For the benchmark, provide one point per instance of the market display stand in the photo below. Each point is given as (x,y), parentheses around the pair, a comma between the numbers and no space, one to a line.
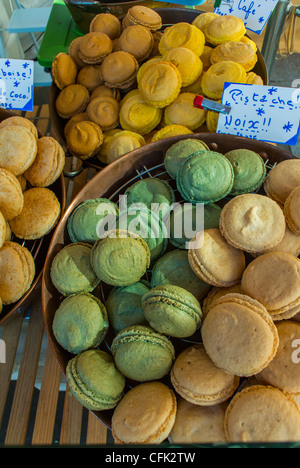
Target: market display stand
(35,405)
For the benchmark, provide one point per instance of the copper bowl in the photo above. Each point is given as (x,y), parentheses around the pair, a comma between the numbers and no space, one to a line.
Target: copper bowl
(38,249)
(169,16)
(112,182)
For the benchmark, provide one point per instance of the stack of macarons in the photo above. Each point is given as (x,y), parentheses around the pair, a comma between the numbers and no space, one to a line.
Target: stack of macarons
(29,208)
(135,75)
(201,328)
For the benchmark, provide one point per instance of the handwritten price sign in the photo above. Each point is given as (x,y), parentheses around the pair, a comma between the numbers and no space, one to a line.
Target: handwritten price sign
(255,14)
(16,84)
(265,113)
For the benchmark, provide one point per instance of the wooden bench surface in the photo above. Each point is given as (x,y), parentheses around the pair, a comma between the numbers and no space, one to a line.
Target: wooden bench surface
(35,405)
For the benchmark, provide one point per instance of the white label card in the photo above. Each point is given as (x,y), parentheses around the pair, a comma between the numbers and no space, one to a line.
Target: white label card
(265,113)
(16,84)
(255,14)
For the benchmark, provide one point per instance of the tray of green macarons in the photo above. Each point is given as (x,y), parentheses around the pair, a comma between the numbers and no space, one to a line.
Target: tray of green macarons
(164,288)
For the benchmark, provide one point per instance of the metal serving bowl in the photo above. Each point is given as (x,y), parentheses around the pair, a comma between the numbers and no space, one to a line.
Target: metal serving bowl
(111,182)
(38,249)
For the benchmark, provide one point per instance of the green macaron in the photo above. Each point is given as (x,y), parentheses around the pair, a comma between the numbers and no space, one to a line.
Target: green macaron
(80,322)
(94,380)
(156,194)
(174,268)
(142,354)
(172,310)
(148,225)
(120,258)
(205,177)
(179,152)
(186,219)
(124,305)
(88,220)
(71,271)
(249,170)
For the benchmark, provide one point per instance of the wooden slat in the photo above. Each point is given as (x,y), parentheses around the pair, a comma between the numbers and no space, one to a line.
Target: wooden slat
(42,123)
(71,421)
(96,431)
(47,403)
(18,421)
(10,336)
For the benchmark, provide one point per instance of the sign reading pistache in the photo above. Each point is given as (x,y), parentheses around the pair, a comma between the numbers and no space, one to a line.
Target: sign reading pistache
(265,113)
(255,14)
(16,84)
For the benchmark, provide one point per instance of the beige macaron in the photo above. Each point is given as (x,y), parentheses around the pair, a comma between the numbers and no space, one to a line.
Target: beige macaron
(239,335)
(273,279)
(23,121)
(283,370)
(215,293)
(4,230)
(262,414)
(196,424)
(106,23)
(196,378)
(252,222)
(94,47)
(48,164)
(17,271)
(18,148)
(145,415)
(282,179)
(291,210)
(214,260)
(39,215)
(119,70)
(137,40)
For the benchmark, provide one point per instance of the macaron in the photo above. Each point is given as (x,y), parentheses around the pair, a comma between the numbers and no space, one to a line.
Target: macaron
(40,214)
(188,63)
(217,292)
(196,424)
(203,19)
(178,152)
(205,177)
(119,143)
(239,335)
(80,323)
(11,195)
(120,258)
(170,131)
(106,23)
(196,378)
(262,414)
(214,78)
(282,372)
(249,170)
(119,70)
(88,220)
(214,260)
(145,415)
(84,139)
(273,279)
(104,111)
(224,28)
(182,34)
(236,51)
(148,225)
(282,179)
(172,310)
(94,47)
(141,14)
(71,271)
(90,77)
(64,70)
(23,121)
(72,100)
(124,305)
(291,210)
(137,115)
(137,40)
(94,380)
(251,213)
(142,354)
(157,194)
(18,148)
(183,112)
(174,268)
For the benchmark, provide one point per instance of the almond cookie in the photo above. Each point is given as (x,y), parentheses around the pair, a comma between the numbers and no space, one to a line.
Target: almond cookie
(282,179)
(17,270)
(196,378)
(39,215)
(11,195)
(273,279)
(72,100)
(214,260)
(18,148)
(48,164)
(262,414)
(18,120)
(239,335)
(252,222)
(63,70)
(291,210)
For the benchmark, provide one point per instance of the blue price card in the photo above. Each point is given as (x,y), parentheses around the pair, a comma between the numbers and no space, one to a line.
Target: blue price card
(255,14)
(16,84)
(265,113)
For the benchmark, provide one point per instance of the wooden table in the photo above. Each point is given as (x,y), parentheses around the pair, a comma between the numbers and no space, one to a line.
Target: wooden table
(35,405)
